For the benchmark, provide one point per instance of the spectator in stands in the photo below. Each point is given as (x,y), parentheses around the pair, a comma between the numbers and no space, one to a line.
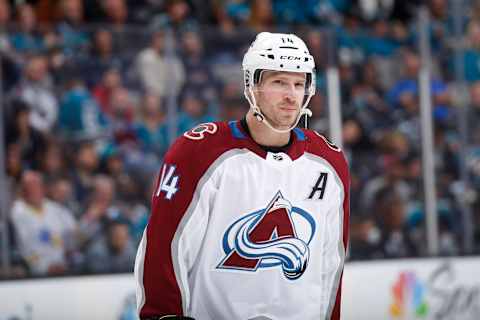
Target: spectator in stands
(355,139)
(474,114)
(160,74)
(440,24)
(18,267)
(318,49)
(114,251)
(226,45)
(234,12)
(151,129)
(80,117)
(86,163)
(115,12)
(42,228)
(35,89)
(13,167)
(288,12)
(194,111)
(319,120)
(137,215)
(230,36)
(414,175)
(4,21)
(69,28)
(390,211)
(406,87)
(113,165)
(177,15)
(364,238)
(60,190)
(30,142)
(348,77)
(358,149)
(200,76)
(10,71)
(476,229)
(121,116)
(100,58)
(100,208)
(392,172)
(261,16)
(404,98)
(52,163)
(111,80)
(471,56)
(367,102)
(382,41)
(26,40)
(131,173)
(233,109)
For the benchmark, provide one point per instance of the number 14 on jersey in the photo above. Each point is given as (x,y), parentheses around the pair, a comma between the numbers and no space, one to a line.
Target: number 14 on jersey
(168,182)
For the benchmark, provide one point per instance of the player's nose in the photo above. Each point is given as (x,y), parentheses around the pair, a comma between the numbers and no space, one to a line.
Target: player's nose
(289,91)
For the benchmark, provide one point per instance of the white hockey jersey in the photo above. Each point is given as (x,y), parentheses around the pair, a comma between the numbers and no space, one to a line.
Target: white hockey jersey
(240,233)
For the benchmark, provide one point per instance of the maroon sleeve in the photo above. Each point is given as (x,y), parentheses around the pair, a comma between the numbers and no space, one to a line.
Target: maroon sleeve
(189,158)
(345,177)
(162,293)
(321,146)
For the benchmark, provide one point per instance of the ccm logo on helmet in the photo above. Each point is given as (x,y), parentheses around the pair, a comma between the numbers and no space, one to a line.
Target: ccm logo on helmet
(290,58)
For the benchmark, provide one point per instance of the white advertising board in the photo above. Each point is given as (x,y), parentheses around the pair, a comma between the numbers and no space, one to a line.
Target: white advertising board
(109,297)
(427,289)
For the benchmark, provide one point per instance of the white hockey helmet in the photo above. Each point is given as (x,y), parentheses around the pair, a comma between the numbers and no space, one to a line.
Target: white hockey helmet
(277,52)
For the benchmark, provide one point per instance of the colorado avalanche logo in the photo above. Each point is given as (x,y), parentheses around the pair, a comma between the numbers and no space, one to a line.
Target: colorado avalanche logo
(199,131)
(277,236)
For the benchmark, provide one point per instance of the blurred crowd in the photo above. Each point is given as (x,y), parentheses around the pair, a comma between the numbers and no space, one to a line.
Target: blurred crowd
(95,91)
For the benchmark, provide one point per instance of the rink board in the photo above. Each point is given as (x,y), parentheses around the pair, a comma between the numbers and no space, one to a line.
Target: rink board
(395,289)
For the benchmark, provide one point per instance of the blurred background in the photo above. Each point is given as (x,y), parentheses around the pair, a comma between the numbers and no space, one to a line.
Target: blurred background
(93,93)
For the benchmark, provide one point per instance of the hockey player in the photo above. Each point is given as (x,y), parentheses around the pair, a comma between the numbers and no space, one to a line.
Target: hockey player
(250,218)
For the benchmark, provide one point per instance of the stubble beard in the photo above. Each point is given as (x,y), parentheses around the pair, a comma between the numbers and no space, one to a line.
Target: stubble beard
(286,119)
(281,119)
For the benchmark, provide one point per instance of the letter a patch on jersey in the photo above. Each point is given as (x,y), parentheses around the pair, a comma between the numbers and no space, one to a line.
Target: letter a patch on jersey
(268,238)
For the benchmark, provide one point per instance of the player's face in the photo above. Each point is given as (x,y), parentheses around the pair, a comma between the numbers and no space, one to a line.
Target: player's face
(280,96)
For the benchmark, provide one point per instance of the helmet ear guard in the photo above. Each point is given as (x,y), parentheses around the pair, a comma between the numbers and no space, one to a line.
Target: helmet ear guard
(277,52)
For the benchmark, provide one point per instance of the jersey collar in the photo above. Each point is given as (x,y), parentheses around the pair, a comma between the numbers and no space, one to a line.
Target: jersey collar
(294,148)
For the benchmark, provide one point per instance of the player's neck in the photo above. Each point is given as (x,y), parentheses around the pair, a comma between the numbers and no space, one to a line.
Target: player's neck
(263,135)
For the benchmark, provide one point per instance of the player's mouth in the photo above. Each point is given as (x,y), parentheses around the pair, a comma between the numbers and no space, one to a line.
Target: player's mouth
(289,108)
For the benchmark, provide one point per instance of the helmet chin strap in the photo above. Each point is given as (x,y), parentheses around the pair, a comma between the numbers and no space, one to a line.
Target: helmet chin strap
(257,113)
